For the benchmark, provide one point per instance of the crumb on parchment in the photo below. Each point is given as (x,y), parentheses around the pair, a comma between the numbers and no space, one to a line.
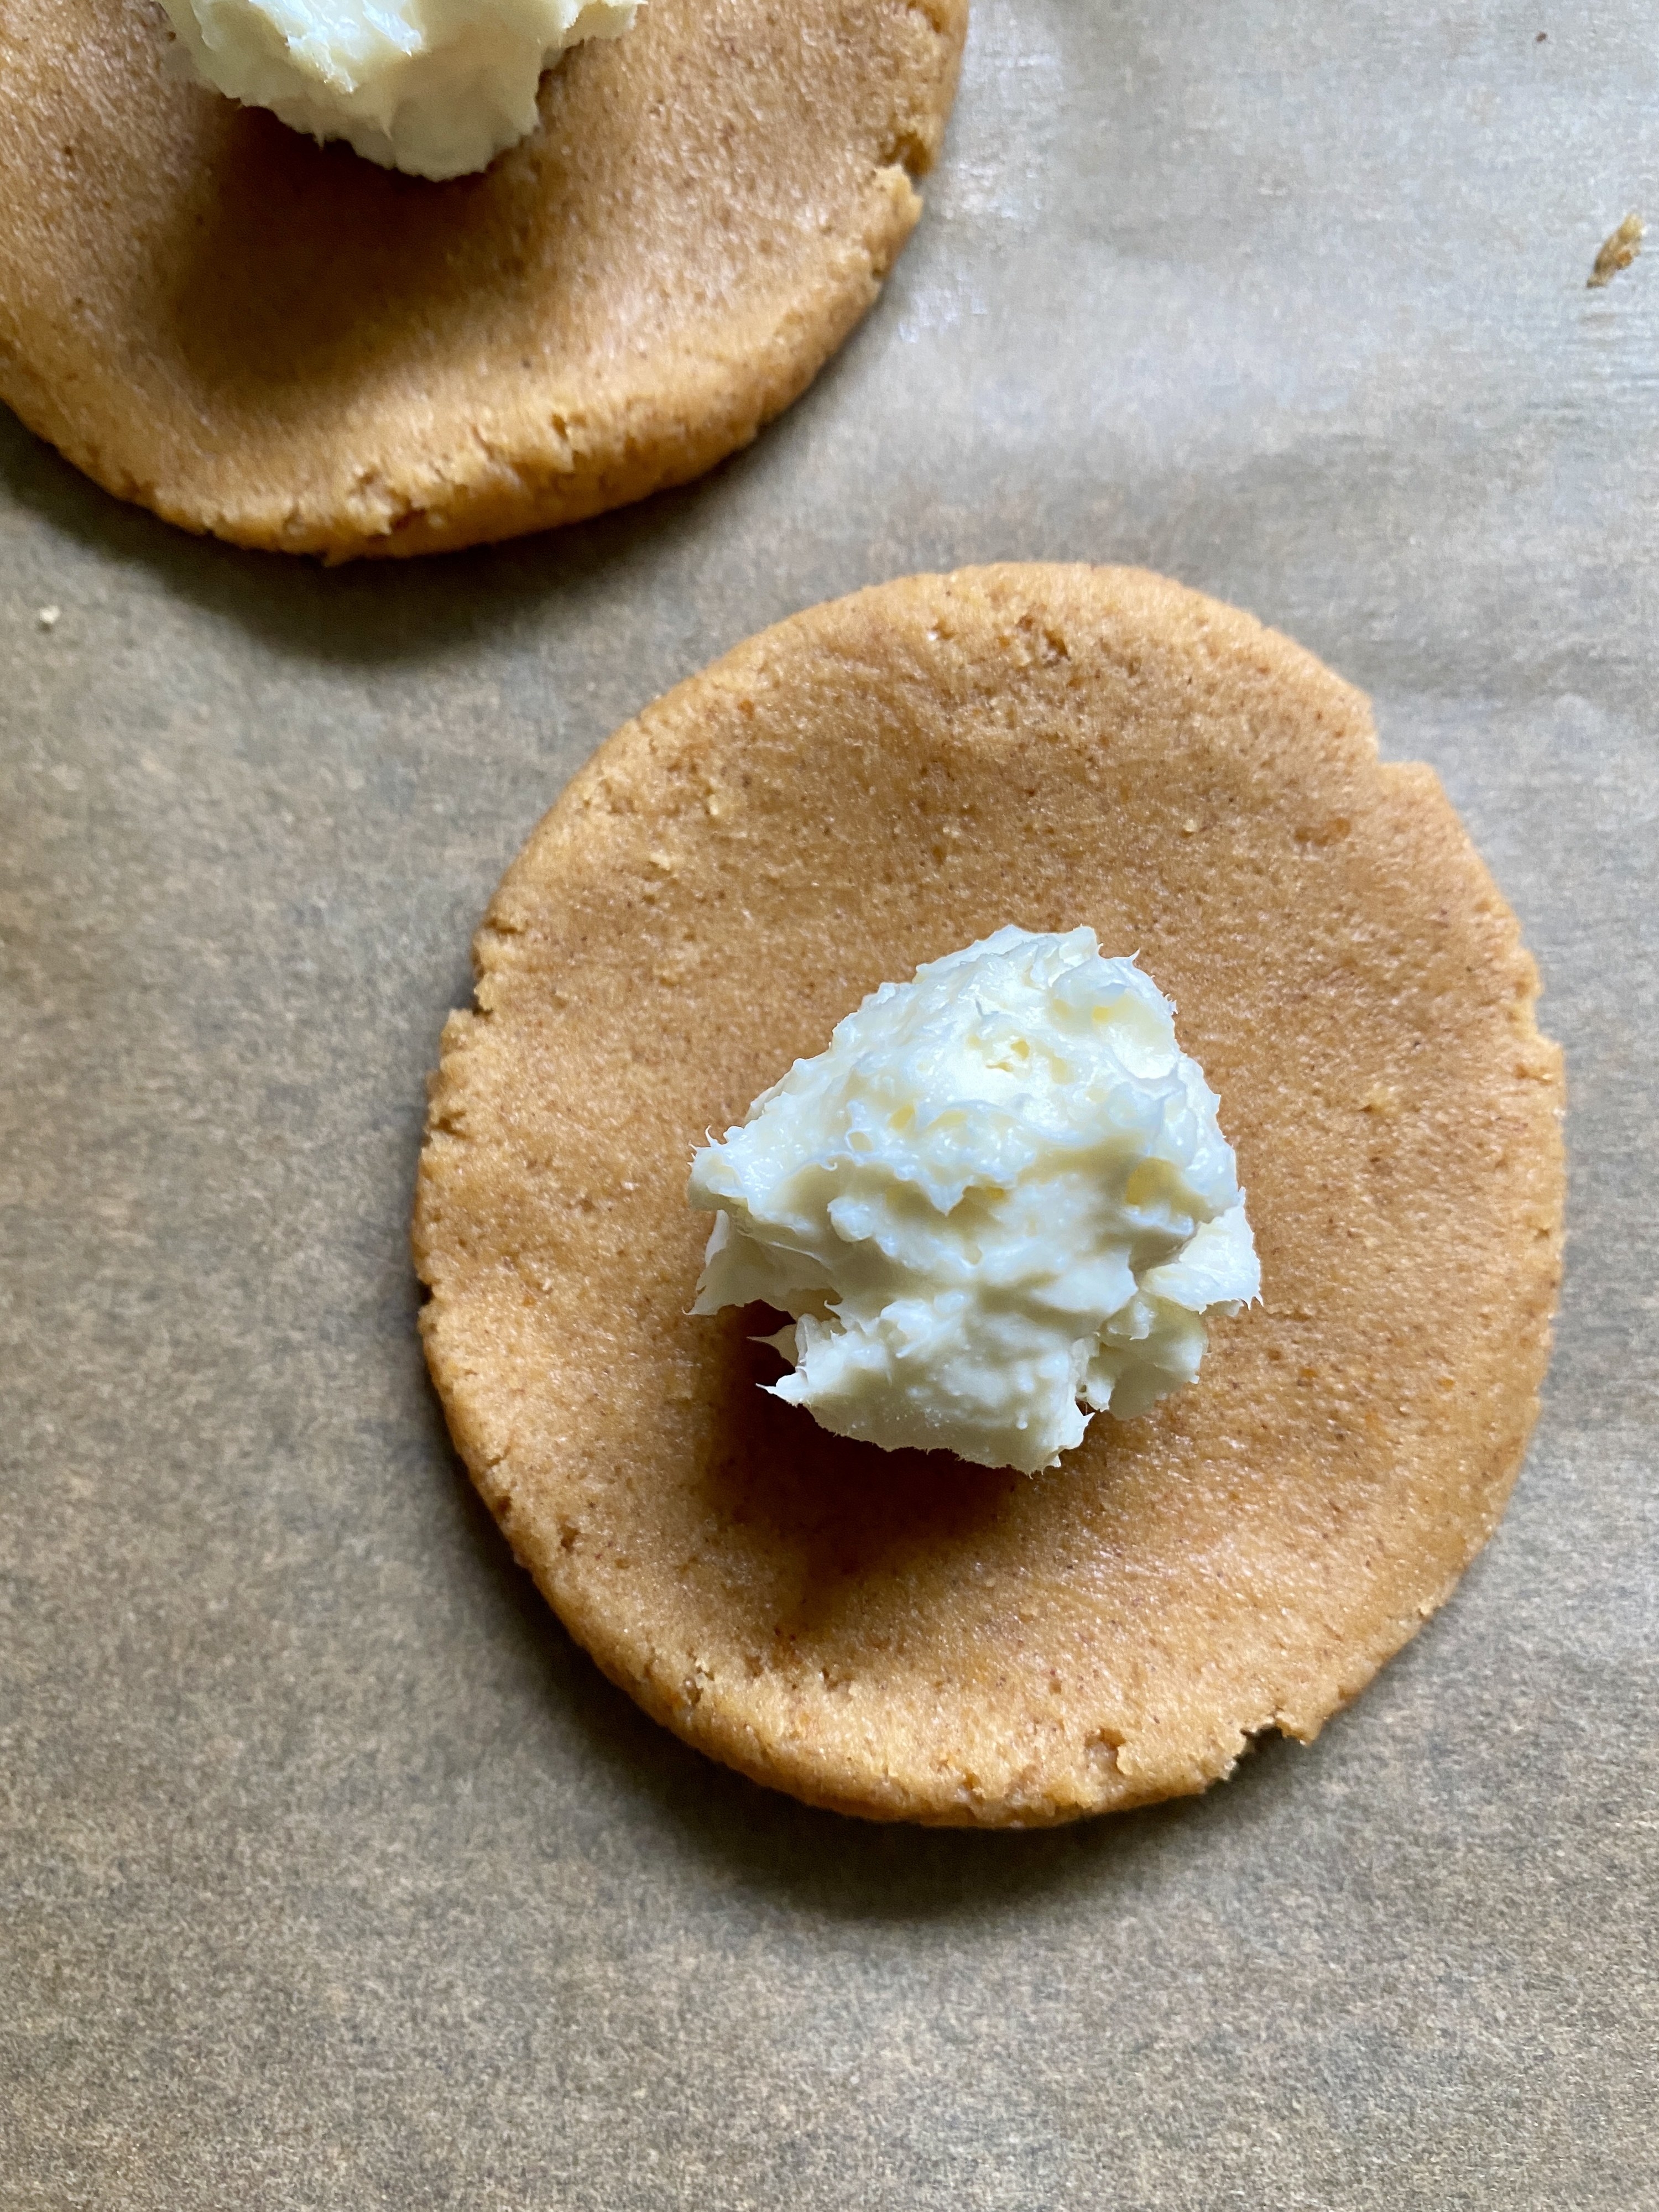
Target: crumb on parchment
(1619,249)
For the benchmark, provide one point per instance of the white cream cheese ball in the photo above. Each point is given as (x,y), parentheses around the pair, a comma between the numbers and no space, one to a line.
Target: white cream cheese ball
(1001,1191)
(437,87)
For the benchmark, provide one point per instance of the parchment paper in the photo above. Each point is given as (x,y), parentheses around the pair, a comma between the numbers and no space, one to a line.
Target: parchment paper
(332,1875)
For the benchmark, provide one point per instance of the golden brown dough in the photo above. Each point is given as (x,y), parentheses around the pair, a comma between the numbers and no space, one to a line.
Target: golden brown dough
(291,348)
(863,787)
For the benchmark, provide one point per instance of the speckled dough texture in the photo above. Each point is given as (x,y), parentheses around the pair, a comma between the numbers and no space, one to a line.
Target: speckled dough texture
(862,789)
(293,348)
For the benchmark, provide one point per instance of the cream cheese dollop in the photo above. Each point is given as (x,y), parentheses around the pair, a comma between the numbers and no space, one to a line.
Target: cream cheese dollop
(436,87)
(1000,1196)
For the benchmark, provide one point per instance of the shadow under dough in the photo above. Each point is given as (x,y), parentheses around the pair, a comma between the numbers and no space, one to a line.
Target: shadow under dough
(370,614)
(837,1512)
(821,1862)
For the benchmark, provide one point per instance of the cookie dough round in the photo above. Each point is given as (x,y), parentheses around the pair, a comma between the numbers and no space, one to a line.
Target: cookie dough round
(285,345)
(867,787)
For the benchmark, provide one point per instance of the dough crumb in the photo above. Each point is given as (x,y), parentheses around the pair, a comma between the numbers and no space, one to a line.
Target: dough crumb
(48,617)
(1619,249)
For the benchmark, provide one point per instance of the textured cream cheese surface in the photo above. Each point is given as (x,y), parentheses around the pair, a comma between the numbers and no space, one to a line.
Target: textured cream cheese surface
(437,87)
(1000,1198)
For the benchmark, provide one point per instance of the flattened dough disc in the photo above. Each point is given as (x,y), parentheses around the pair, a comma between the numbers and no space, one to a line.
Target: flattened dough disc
(289,347)
(864,788)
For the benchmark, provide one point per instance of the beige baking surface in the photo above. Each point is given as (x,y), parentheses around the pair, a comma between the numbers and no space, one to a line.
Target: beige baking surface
(291,348)
(333,1877)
